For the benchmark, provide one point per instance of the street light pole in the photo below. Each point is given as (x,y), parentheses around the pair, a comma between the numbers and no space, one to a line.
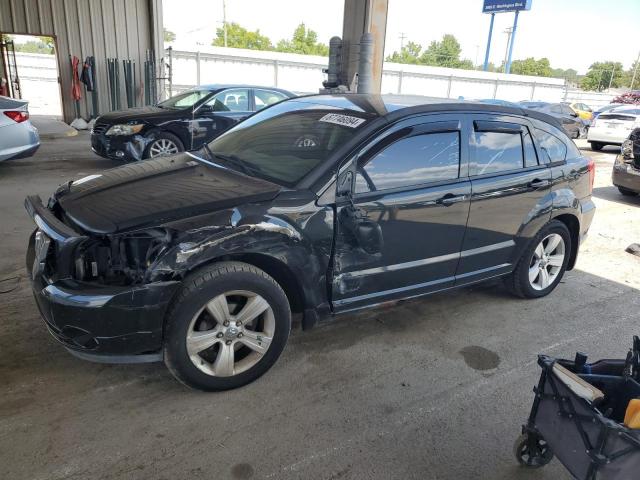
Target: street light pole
(224,20)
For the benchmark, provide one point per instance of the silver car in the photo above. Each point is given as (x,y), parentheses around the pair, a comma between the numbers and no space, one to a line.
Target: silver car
(18,138)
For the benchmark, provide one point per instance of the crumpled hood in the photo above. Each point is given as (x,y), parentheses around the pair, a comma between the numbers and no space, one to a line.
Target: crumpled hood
(142,114)
(153,192)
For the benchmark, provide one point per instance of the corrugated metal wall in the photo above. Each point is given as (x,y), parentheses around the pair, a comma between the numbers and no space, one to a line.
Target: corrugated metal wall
(125,29)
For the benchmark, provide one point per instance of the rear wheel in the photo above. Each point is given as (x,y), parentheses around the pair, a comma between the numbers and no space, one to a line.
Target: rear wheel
(626,192)
(227,327)
(596,146)
(163,145)
(543,262)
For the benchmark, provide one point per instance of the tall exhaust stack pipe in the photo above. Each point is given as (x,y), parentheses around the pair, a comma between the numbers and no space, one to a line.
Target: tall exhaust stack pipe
(335,63)
(365,65)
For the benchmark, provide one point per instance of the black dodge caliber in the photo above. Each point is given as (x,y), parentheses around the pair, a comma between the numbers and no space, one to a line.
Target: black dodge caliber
(183,122)
(318,205)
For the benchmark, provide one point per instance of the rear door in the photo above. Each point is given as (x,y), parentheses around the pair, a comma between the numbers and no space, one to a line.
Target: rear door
(219,113)
(509,196)
(402,232)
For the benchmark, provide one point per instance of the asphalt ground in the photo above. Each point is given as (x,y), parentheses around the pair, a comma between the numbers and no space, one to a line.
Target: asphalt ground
(435,388)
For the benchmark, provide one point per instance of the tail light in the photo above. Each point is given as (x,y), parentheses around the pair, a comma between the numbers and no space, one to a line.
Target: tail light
(591,166)
(17,115)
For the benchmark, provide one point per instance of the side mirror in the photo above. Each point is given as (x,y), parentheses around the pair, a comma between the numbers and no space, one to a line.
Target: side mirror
(205,109)
(344,189)
(574,114)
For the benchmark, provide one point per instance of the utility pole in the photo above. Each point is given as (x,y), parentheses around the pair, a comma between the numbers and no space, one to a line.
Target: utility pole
(635,71)
(508,31)
(613,71)
(402,37)
(224,20)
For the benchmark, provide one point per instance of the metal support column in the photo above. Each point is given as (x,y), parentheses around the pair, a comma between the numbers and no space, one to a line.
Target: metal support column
(486,55)
(513,40)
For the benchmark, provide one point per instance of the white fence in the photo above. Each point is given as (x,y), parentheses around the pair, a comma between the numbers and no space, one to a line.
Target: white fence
(303,73)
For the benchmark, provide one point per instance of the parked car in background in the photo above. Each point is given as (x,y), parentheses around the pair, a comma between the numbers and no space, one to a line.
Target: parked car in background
(318,205)
(613,127)
(569,119)
(626,169)
(606,108)
(18,138)
(181,123)
(583,110)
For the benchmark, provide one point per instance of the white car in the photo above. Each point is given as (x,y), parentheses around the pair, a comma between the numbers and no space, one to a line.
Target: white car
(18,138)
(613,127)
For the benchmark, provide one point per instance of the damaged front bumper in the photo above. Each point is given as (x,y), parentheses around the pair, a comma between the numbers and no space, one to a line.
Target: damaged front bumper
(114,324)
(119,147)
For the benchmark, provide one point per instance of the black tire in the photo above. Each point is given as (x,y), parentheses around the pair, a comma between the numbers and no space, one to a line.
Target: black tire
(163,136)
(596,146)
(532,451)
(518,282)
(198,289)
(626,192)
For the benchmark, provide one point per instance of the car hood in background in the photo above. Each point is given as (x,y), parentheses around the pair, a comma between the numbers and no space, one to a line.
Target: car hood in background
(142,113)
(7,103)
(156,191)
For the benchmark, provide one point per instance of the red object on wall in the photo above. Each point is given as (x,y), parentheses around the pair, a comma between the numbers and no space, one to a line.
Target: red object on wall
(76,92)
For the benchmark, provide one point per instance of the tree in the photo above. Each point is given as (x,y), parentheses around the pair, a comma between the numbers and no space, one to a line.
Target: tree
(304,41)
(531,66)
(600,74)
(445,53)
(240,37)
(169,36)
(409,53)
(569,74)
(34,46)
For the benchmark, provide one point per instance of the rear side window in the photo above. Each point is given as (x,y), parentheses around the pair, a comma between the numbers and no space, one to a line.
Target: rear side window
(530,157)
(497,152)
(553,149)
(415,160)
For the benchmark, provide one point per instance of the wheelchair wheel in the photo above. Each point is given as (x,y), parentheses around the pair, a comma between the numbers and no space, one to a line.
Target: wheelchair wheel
(532,451)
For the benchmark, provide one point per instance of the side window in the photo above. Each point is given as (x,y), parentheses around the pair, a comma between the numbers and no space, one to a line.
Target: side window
(567,110)
(233,100)
(556,109)
(429,157)
(497,152)
(530,157)
(264,98)
(553,149)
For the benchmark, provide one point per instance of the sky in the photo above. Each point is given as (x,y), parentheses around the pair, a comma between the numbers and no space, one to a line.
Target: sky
(570,33)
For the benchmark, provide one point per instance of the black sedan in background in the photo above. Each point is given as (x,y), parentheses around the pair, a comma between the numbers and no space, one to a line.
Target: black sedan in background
(626,169)
(183,122)
(573,126)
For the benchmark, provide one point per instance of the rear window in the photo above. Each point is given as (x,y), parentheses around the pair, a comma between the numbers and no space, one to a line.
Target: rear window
(553,149)
(629,117)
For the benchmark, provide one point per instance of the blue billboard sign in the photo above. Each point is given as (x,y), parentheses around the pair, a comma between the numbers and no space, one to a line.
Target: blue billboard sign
(497,6)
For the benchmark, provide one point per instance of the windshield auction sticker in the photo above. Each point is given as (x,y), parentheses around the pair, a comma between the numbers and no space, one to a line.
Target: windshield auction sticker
(344,120)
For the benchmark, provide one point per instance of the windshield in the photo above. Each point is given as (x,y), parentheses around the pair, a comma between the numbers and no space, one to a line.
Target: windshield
(184,100)
(285,142)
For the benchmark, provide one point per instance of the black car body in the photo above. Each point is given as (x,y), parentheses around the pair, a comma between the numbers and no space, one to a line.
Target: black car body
(184,122)
(327,198)
(570,121)
(626,169)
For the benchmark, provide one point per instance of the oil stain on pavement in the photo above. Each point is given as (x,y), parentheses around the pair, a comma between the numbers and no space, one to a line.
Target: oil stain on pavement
(480,358)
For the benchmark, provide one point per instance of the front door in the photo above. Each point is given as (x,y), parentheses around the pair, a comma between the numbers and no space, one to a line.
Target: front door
(509,201)
(401,232)
(218,114)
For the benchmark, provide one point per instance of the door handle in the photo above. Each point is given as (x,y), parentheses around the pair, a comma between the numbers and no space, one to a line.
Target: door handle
(537,183)
(450,199)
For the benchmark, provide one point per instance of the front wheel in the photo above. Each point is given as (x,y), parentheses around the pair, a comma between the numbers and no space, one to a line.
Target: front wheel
(543,262)
(227,327)
(163,145)
(532,451)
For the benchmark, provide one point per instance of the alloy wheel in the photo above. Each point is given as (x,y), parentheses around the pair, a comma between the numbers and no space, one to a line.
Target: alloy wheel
(546,262)
(163,147)
(231,333)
